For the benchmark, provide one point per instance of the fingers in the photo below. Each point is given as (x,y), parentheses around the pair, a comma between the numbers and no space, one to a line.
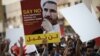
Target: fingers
(47,26)
(20,41)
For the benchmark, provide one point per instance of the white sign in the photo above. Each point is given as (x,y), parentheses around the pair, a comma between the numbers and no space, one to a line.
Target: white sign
(82,21)
(14,35)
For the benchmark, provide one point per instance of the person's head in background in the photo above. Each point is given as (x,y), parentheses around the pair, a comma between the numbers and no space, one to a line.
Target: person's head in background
(50,11)
(69,41)
(32,54)
(63,40)
(89,51)
(90,48)
(76,37)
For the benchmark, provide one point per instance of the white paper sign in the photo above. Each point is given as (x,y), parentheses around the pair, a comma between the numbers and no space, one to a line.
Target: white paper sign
(82,21)
(15,34)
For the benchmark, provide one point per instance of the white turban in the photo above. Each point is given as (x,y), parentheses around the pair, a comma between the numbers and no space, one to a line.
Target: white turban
(43,1)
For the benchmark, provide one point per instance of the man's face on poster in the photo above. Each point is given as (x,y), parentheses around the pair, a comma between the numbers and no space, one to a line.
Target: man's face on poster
(50,12)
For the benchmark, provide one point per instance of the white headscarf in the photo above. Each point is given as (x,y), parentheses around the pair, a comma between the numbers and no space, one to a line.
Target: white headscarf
(43,1)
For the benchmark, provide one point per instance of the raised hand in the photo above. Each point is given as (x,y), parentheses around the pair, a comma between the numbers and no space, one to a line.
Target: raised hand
(21,46)
(21,41)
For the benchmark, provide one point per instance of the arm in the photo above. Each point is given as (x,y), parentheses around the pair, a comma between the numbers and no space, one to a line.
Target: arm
(6,49)
(21,46)
(77,50)
(45,46)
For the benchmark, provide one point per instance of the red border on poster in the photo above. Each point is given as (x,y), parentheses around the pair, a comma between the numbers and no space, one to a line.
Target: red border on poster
(32,15)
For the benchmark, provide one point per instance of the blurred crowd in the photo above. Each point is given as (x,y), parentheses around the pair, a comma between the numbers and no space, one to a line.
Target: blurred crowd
(69,46)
